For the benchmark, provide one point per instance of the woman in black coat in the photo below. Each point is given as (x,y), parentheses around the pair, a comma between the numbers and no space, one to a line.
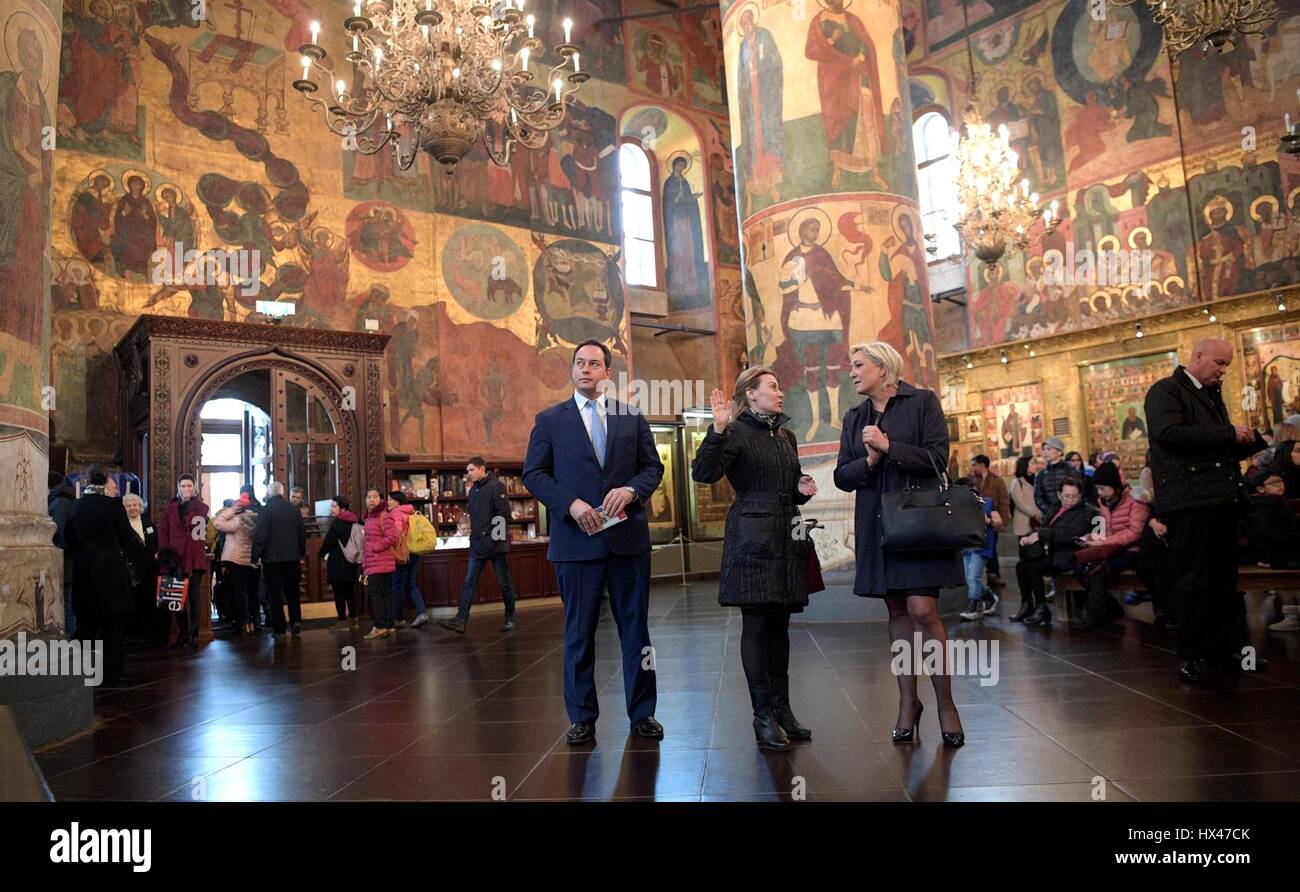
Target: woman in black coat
(340,573)
(147,624)
(895,436)
(1286,464)
(1050,549)
(98,534)
(765,546)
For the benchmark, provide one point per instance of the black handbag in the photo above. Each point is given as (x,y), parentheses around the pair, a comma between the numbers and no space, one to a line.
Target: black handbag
(949,518)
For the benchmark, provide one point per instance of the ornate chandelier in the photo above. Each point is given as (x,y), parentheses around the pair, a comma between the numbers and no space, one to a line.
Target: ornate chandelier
(1208,23)
(993,210)
(441,75)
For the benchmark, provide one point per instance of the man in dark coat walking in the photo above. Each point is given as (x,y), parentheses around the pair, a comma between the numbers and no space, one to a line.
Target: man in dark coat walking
(489,540)
(1195,457)
(279,542)
(96,535)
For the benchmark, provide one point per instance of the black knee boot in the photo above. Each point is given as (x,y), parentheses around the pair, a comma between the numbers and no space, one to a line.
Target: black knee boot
(781,709)
(767,730)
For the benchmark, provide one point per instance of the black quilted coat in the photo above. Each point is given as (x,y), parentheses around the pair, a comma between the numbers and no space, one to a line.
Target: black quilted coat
(763,560)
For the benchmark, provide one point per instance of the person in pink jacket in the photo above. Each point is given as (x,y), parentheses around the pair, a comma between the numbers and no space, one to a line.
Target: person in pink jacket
(379,563)
(404,583)
(1113,547)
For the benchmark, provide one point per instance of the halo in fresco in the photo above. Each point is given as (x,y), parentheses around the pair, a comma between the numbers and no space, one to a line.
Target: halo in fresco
(24,21)
(792,231)
(487,287)
(380,236)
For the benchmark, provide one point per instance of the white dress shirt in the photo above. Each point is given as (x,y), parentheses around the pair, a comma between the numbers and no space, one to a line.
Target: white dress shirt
(586,416)
(1198,384)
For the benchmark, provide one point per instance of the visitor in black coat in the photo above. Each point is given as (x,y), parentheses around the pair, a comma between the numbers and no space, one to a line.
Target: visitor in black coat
(1272,528)
(148,625)
(341,573)
(764,551)
(98,534)
(1195,453)
(279,542)
(895,437)
(1050,549)
(1286,465)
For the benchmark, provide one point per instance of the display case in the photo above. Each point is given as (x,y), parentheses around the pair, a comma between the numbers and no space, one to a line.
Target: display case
(707,502)
(664,510)
(440,492)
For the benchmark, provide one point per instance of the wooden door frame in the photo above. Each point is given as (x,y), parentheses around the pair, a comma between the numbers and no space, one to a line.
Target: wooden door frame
(188,436)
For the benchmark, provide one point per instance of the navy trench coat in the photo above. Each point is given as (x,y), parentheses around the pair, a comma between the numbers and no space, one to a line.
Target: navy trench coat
(918,434)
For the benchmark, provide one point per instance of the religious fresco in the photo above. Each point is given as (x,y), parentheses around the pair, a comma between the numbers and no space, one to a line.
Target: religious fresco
(826,188)
(28,94)
(946,22)
(188,141)
(701,31)
(827,274)
(1097,115)
(1013,425)
(1114,400)
(658,62)
(1271,360)
(826,112)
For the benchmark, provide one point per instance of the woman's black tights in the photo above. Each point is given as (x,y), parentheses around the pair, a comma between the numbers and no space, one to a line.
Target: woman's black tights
(765,645)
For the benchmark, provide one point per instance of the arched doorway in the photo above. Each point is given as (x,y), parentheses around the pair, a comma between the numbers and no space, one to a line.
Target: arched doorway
(313,438)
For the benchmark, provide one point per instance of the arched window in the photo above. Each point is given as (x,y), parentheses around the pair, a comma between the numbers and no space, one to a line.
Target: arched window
(936,173)
(640,264)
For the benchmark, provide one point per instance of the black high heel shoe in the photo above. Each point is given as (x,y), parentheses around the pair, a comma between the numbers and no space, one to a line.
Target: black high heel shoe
(903,735)
(953,739)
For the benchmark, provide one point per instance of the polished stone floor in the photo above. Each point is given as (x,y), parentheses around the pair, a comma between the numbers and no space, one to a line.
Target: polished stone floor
(429,715)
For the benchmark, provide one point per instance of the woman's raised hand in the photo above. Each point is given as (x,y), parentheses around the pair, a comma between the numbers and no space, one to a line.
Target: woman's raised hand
(721,410)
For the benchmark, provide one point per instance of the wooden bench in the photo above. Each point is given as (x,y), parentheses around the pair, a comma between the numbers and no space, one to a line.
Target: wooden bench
(1250,578)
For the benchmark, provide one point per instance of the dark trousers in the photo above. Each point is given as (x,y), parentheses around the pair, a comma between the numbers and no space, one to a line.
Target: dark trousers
(92,625)
(1029,576)
(1211,612)
(582,587)
(1155,569)
(991,565)
(345,598)
(238,580)
(188,621)
(1096,580)
(282,579)
(501,563)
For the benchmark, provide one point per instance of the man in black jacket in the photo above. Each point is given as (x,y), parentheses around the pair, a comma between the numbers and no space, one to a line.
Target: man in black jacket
(279,542)
(1195,455)
(489,517)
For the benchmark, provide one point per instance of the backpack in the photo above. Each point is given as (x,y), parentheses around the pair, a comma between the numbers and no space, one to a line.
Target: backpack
(401,553)
(421,538)
(355,548)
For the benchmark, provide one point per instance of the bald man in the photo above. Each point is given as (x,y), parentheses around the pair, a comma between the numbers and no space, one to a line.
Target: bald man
(1195,456)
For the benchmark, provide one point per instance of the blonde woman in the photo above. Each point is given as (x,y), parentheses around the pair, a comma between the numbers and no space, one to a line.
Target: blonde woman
(763,561)
(140,550)
(898,435)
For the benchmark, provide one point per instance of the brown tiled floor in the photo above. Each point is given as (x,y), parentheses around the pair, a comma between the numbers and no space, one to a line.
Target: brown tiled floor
(430,715)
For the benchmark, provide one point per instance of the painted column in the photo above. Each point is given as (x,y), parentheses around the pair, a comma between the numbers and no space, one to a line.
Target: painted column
(832,248)
(31,568)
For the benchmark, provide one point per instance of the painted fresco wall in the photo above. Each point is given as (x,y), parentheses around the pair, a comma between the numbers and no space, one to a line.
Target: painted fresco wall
(188,136)
(821,122)
(1141,152)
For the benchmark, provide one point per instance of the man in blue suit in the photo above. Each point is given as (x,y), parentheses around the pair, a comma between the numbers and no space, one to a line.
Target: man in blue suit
(589,458)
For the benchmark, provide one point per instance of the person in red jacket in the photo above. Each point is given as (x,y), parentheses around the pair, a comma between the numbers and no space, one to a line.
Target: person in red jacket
(1114,547)
(379,563)
(183,551)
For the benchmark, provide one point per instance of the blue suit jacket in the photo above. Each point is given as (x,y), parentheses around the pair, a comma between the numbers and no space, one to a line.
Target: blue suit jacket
(561,466)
